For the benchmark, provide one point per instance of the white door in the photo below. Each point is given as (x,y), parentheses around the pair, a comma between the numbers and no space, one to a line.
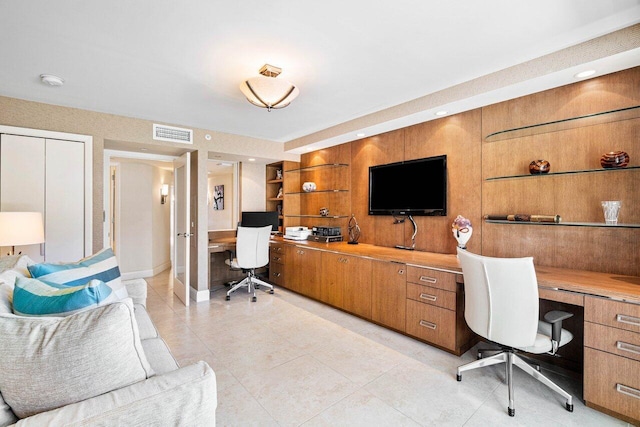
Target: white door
(22,184)
(182,227)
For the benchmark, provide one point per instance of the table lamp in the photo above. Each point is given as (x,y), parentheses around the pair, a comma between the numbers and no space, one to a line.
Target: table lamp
(21,228)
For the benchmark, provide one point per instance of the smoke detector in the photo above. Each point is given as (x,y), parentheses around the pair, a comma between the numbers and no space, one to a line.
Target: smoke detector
(51,80)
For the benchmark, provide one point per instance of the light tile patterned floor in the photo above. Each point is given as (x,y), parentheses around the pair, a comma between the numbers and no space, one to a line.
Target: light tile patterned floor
(286,360)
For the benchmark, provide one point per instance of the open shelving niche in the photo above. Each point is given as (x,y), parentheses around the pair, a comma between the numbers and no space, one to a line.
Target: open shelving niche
(610,116)
(325,166)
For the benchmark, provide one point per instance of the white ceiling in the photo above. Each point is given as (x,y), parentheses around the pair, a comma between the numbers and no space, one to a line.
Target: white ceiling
(182,62)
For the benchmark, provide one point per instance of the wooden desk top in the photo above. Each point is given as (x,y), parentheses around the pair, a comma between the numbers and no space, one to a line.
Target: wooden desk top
(614,286)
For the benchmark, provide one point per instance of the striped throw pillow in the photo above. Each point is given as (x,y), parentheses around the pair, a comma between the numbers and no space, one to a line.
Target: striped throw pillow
(100,266)
(32,297)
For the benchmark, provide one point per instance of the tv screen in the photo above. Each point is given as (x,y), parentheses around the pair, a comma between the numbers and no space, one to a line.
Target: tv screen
(260,219)
(414,187)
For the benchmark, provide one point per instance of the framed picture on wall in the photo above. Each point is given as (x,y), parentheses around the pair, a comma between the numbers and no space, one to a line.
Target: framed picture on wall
(218,197)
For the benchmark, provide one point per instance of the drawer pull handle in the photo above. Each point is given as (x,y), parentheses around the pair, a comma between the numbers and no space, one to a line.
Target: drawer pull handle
(277,274)
(629,320)
(621,345)
(629,391)
(428,279)
(400,271)
(276,258)
(428,297)
(428,324)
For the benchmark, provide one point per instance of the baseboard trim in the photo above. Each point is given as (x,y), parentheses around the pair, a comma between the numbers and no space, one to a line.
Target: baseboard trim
(142,274)
(199,296)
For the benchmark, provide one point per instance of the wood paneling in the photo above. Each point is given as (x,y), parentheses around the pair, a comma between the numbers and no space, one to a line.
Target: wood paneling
(433,296)
(388,294)
(613,91)
(613,313)
(433,324)
(357,286)
(458,137)
(612,340)
(433,278)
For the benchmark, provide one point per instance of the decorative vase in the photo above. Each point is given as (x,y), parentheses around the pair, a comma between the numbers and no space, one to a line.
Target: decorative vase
(462,231)
(309,186)
(614,159)
(538,167)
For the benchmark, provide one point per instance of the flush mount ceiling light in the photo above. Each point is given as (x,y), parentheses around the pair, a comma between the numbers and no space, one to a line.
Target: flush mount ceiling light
(51,80)
(441,113)
(266,91)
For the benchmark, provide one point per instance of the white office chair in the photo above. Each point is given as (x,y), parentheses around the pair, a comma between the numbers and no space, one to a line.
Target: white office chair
(501,305)
(252,251)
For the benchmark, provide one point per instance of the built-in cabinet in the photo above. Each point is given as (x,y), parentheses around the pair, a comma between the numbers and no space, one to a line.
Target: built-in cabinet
(48,175)
(424,303)
(612,357)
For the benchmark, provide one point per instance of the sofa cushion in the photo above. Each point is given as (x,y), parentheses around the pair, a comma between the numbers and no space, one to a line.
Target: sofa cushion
(16,262)
(101,266)
(159,356)
(33,297)
(7,417)
(145,325)
(50,362)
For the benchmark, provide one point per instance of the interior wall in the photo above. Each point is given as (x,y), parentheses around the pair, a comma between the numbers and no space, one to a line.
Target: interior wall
(253,187)
(144,247)
(136,231)
(221,219)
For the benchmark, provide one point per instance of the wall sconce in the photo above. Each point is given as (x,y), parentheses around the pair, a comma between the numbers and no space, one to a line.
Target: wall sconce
(164,192)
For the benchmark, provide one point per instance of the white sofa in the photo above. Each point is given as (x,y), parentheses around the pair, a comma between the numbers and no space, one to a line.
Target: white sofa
(126,368)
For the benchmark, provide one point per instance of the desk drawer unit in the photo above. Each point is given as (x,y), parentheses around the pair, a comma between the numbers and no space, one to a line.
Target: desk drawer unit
(612,357)
(276,263)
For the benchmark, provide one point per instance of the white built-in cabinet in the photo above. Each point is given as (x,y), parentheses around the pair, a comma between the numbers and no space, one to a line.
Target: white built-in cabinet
(49,175)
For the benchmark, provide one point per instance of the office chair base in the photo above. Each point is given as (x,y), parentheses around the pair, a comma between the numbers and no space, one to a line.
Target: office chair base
(251,282)
(510,358)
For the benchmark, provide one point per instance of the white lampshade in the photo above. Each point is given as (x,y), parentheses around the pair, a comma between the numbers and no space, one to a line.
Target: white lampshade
(267,91)
(21,228)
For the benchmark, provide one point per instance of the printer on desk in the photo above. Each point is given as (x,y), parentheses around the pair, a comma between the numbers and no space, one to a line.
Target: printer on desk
(297,233)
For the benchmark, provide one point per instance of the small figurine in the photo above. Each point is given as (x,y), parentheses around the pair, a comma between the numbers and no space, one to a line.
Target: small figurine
(462,231)
(279,196)
(279,174)
(354,231)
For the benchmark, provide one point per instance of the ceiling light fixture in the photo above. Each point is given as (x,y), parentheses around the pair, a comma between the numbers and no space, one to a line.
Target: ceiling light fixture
(583,74)
(252,160)
(51,80)
(266,91)
(441,113)
(360,135)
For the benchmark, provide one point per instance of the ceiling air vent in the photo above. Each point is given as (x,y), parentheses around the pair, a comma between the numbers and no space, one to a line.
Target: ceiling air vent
(172,134)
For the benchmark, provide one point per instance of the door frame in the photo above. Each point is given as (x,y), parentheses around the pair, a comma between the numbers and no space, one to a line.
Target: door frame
(87,140)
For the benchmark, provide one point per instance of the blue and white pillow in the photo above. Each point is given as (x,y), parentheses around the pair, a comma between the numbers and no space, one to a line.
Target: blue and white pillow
(100,266)
(33,297)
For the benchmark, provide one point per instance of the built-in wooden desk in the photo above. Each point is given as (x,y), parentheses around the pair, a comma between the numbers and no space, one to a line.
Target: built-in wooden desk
(421,294)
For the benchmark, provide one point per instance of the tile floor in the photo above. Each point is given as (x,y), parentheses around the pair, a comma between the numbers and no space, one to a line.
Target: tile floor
(286,360)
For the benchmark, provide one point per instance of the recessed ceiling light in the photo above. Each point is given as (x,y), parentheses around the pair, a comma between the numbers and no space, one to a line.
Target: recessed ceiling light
(441,113)
(583,74)
(252,160)
(360,135)
(51,80)
(207,137)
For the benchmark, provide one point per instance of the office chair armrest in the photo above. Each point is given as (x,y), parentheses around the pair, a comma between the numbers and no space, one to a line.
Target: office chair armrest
(556,317)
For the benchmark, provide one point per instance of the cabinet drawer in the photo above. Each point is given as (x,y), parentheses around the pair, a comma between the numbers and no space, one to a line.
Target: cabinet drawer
(276,273)
(433,296)
(612,340)
(276,258)
(618,314)
(433,278)
(430,323)
(612,382)
(277,248)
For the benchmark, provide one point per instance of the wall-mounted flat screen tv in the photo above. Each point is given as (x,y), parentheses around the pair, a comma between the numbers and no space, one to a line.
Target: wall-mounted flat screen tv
(414,187)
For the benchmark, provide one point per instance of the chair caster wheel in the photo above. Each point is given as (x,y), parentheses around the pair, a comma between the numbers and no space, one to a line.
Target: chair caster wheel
(512,412)
(254,299)
(271,291)
(479,355)
(228,298)
(458,377)
(569,407)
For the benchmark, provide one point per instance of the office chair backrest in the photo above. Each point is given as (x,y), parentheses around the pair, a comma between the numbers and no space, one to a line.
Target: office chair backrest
(252,246)
(501,298)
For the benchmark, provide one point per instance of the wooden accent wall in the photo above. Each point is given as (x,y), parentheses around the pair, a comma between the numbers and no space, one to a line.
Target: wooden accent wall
(575,197)
(472,162)
(458,137)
